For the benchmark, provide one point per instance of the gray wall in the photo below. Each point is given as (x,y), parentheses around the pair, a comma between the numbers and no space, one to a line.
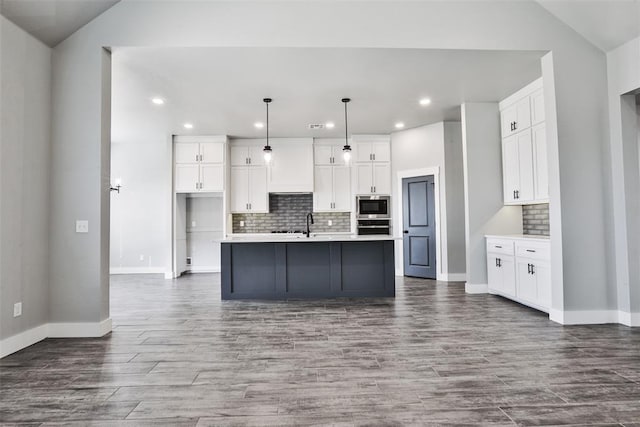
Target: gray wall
(25,76)
(485,212)
(579,175)
(454,165)
(623,213)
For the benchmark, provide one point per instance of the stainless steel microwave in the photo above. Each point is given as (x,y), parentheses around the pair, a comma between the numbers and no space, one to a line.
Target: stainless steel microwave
(373,206)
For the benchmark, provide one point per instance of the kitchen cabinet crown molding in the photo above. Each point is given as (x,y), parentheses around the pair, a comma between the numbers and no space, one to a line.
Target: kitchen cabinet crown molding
(524,92)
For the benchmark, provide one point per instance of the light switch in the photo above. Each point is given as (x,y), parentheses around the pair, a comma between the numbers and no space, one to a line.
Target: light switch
(17,309)
(82,226)
(193,223)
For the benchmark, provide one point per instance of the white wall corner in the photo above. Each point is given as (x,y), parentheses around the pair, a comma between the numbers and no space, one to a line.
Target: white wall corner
(169,275)
(80,330)
(23,340)
(472,288)
(629,319)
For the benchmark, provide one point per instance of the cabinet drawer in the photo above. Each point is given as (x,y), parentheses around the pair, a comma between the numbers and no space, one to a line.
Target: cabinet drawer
(500,246)
(533,250)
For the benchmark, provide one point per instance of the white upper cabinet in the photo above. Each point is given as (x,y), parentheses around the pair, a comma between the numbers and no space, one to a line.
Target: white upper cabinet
(187,152)
(199,164)
(541,174)
(291,167)
(537,107)
(249,189)
(332,192)
(247,155)
(373,164)
(377,149)
(524,150)
(328,154)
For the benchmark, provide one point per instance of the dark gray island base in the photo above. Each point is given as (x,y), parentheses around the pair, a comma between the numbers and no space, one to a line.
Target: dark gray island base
(307,269)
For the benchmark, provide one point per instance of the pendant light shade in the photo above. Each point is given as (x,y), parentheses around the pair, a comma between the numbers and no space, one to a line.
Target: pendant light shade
(267,148)
(346,150)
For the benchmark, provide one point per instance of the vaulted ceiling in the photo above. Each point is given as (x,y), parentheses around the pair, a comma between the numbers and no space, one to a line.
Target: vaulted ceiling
(604,23)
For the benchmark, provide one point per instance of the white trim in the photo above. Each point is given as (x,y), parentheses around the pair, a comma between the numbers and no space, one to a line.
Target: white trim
(204,269)
(170,275)
(53,330)
(23,340)
(453,277)
(476,288)
(79,330)
(137,270)
(411,173)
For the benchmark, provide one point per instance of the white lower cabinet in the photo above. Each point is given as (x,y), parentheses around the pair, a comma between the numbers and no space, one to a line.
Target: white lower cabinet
(519,269)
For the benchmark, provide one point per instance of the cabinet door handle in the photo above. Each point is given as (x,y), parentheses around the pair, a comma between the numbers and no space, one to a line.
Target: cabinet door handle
(249,160)
(515,125)
(246,160)
(374,188)
(374,156)
(531,250)
(533,271)
(498,247)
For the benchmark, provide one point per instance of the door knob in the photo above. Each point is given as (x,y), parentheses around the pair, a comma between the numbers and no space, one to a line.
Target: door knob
(406,231)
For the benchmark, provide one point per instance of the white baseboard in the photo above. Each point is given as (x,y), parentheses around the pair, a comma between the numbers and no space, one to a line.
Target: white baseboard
(594,317)
(168,275)
(53,330)
(79,330)
(203,269)
(452,277)
(23,340)
(137,270)
(472,288)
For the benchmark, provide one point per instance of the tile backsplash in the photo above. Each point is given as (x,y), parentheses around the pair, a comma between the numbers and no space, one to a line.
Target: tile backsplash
(535,219)
(289,212)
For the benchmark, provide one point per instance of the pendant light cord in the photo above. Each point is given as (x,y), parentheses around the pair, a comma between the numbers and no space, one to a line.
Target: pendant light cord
(346,126)
(267,124)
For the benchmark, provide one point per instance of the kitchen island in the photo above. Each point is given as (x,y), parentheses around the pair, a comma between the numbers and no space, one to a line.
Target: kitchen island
(320,266)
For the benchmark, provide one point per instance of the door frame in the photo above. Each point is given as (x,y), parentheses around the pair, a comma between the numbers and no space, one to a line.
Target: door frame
(440,260)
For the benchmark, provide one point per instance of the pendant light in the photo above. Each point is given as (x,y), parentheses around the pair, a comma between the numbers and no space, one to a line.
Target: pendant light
(346,150)
(267,148)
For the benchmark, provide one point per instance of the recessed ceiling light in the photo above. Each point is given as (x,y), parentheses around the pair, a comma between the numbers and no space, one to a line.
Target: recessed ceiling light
(399,125)
(330,125)
(425,101)
(157,101)
(258,125)
(188,126)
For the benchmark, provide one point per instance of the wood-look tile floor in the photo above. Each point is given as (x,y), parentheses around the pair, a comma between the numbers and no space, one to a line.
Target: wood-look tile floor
(433,355)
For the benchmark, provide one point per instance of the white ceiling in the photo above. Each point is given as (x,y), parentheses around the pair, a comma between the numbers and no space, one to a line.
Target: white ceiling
(605,23)
(52,21)
(220,90)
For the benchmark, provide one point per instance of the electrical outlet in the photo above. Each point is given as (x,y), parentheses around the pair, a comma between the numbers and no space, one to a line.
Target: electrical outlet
(141,257)
(17,309)
(193,223)
(329,223)
(82,226)
(241,223)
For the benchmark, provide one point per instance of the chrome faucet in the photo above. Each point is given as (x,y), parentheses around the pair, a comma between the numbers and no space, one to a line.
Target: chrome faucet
(309,215)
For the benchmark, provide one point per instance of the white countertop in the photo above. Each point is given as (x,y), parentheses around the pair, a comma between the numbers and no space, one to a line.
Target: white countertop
(301,238)
(517,237)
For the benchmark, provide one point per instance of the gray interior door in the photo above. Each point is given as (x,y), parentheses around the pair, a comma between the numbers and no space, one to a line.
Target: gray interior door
(419,226)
